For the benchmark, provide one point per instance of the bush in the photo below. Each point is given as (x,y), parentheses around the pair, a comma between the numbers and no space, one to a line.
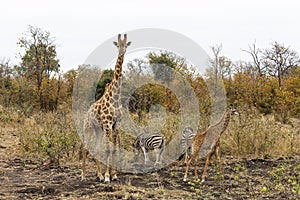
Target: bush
(51,135)
(254,134)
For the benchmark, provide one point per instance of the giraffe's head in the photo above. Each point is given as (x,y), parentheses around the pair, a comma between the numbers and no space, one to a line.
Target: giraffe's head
(122,44)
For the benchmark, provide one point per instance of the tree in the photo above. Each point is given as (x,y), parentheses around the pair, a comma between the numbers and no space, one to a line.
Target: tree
(257,59)
(6,82)
(140,100)
(40,58)
(5,69)
(279,59)
(221,65)
(292,84)
(219,70)
(224,67)
(69,78)
(106,78)
(163,65)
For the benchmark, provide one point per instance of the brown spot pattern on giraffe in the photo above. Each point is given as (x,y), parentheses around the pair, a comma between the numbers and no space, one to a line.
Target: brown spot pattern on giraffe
(103,111)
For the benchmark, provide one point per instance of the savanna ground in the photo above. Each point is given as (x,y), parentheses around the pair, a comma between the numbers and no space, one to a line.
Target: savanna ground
(24,177)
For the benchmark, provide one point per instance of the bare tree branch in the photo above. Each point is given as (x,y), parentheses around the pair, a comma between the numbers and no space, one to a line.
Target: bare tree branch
(254,52)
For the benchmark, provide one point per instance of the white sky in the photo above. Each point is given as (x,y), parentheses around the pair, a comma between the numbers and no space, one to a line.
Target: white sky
(80,26)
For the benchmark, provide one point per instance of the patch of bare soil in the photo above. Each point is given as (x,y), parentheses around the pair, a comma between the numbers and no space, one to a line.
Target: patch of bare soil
(243,179)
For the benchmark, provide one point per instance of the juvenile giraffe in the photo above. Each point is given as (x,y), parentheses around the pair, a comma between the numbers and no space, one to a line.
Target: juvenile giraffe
(197,143)
(105,115)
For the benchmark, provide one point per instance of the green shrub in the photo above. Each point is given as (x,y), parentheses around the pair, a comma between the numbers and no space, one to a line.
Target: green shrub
(49,135)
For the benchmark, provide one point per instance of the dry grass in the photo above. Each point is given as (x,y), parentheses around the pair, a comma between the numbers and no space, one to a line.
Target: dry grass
(52,135)
(48,137)
(254,135)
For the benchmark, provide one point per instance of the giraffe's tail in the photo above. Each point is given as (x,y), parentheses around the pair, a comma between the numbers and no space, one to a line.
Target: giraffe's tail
(187,149)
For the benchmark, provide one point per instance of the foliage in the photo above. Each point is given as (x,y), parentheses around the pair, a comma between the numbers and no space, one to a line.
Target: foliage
(69,78)
(279,59)
(285,177)
(49,135)
(263,93)
(106,78)
(220,65)
(40,54)
(163,64)
(255,135)
(38,63)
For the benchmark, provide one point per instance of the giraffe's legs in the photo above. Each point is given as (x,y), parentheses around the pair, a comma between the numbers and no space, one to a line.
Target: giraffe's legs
(215,151)
(186,156)
(119,148)
(113,163)
(206,165)
(84,154)
(107,176)
(97,152)
(84,150)
(99,171)
(191,159)
(217,154)
(187,168)
(195,169)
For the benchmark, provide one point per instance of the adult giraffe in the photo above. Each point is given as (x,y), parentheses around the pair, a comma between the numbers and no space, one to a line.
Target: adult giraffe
(105,115)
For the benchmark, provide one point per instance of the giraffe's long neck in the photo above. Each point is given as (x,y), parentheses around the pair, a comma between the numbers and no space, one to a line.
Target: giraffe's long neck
(223,123)
(115,86)
(118,68)
(225,120)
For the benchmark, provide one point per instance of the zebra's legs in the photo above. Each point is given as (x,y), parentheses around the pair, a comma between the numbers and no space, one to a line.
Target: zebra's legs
(145,155)
(158,153)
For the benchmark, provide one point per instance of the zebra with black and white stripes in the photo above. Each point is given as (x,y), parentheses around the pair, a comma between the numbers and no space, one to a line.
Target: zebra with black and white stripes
(186,140)
(148,142)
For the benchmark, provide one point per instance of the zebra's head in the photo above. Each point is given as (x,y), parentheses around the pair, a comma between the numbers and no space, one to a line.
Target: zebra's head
(136,146)
(188,130)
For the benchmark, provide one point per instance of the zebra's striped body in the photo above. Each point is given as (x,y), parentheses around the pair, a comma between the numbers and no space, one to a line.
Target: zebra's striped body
(148,142)
(186,140)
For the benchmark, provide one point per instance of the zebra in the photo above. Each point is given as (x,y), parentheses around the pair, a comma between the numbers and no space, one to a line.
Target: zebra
(185,142)
(148,142)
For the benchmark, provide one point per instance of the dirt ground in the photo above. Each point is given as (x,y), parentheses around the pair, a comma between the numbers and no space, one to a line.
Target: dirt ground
(22,178)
